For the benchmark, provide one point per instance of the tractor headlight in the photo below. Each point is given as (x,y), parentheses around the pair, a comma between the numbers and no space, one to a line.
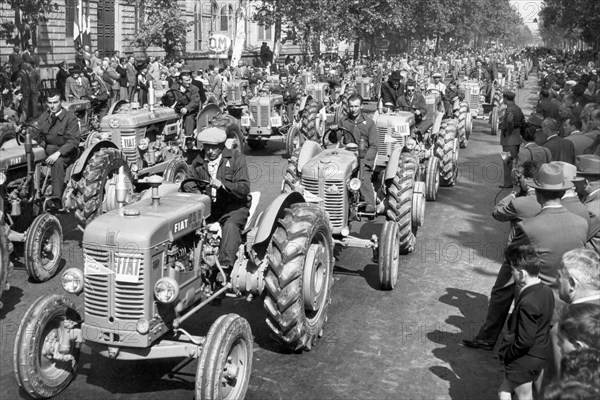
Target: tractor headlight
(166,290)
(411,144)
(142,326)
(2,178)
(354,184)
(72,280)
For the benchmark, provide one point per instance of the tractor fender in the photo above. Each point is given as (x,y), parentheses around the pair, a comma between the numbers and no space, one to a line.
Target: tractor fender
(392,166)
(81,161)
(266,221)
(308,151)
(206,115)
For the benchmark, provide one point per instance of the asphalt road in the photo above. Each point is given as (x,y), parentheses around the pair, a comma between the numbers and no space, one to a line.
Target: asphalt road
(376,345)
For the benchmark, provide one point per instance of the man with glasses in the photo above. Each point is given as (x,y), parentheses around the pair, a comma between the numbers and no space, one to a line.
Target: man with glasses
(414,102)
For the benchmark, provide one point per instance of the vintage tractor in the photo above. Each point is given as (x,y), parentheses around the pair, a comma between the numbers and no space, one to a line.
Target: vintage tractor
(144,141)
(141,285)
(238,93)
(264,119)
(25,202)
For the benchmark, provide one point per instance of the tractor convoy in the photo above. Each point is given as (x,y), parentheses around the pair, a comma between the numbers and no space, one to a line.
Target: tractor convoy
(139,286)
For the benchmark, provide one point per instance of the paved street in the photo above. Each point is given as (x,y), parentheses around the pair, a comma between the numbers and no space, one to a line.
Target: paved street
(377,345)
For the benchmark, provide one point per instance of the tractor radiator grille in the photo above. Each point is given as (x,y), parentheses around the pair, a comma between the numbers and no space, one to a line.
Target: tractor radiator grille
(333,192)
(127,298)
(385,149)
(263,120)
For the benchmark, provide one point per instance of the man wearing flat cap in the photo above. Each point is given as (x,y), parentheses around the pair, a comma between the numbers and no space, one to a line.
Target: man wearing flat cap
(553,232)
(227,172)
(510,138)
(392,90)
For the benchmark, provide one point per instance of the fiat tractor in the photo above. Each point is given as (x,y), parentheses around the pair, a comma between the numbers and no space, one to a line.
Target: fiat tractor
(26,204)
(144,142)
(238,94)
(263,119)
(141,286)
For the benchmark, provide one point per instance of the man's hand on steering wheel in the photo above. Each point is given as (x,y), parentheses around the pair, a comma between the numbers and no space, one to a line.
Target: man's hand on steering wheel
(193,185)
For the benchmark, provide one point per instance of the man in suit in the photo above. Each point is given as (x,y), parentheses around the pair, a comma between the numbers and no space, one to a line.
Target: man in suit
(190,103)
(121,69)
(61,79)
(392,90)
(572,132)
(15,59)
(553,232)
(510,138)
(414,102)
(561,148)
(131,74)
(549,108)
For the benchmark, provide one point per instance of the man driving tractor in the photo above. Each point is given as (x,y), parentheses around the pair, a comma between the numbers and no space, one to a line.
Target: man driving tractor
(190,103)
(227,172)
(414,102)
(392,90)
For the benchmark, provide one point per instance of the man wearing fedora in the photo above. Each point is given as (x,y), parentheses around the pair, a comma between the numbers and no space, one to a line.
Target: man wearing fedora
(227,172)
(588,168)
(553,232)
(510,138)
(392,90)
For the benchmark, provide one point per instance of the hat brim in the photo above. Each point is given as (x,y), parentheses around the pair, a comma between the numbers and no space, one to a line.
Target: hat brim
(566,185)
(596,173)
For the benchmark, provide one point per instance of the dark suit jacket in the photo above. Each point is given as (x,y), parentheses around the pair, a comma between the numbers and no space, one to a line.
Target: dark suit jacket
(574,205)
(391,95)
(514,209)
(193,94)
(548,108)
(511,125)
(363,126)
(61,134)
(561,149)
(122,71)
(131,74)
(553,232)
(61,80)
(416,103)
(529,324)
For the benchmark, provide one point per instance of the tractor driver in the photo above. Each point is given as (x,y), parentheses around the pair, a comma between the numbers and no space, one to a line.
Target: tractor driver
(362,127)
(61,136)
(414,102)
(229,189)
(392,90)
(189,107)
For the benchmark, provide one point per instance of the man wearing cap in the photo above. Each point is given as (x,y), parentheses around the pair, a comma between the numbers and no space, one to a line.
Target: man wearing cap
(437,84)
(189,101)
(561,148)
(392,90)
(510,138)
(553,232)
(588,168)
(227,173)
(60,129)
(77,86)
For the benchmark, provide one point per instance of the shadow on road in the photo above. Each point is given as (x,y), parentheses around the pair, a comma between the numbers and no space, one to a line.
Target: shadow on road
(468,368)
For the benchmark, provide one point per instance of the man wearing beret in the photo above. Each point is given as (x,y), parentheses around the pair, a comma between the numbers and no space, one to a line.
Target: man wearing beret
(227,173)
(553,232)
(510,139)
(392,90)
(61,136)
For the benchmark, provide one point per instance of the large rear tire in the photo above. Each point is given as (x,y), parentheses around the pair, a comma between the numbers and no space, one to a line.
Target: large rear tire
(309,126)
(389,255)
(432,179)
(399,198)
(35,371)
(446,150)
(226,361)
(494,121)
(291,177)
(94,194)
(176,171)
(462,125)
(300,275)
(293,141)
(43,247)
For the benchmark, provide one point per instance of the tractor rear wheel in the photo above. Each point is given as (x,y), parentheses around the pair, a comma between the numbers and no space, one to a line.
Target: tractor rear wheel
(494,121)
(432,178)
(293,141)
(36,371)
(43,247)
(176,171)
(299,276)
(226,361)
(95,190)
(399,198)
(389,255)
(309,126)
(462,125)
(446,150)
(292,176)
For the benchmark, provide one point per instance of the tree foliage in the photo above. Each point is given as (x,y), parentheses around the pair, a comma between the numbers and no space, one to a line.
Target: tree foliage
(575,18)
(28,15)
(163,25)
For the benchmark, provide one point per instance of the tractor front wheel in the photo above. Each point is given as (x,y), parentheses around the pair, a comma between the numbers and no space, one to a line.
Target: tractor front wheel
(389,255)
(293,141)
(176,171)
(299,276)
(446,150)
(43,247)
(292,175)
(226,362)
(37,342)
(399,198)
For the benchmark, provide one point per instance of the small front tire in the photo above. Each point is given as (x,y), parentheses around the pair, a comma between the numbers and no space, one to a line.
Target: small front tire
(43,247)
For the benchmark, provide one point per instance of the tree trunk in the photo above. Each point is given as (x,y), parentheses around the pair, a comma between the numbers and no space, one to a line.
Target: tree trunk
(356,49)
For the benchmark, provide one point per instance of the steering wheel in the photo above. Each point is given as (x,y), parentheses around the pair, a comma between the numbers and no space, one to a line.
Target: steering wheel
(172,98)
(193,185)
(331,137)
(20,137)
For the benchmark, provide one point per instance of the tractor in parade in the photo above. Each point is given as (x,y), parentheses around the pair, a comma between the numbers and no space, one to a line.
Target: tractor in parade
(140,286)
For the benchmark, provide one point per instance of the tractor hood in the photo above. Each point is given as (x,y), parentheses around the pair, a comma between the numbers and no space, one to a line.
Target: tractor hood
(135,118)
(142,225)
(15,155)
(395,119)
(331,164)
